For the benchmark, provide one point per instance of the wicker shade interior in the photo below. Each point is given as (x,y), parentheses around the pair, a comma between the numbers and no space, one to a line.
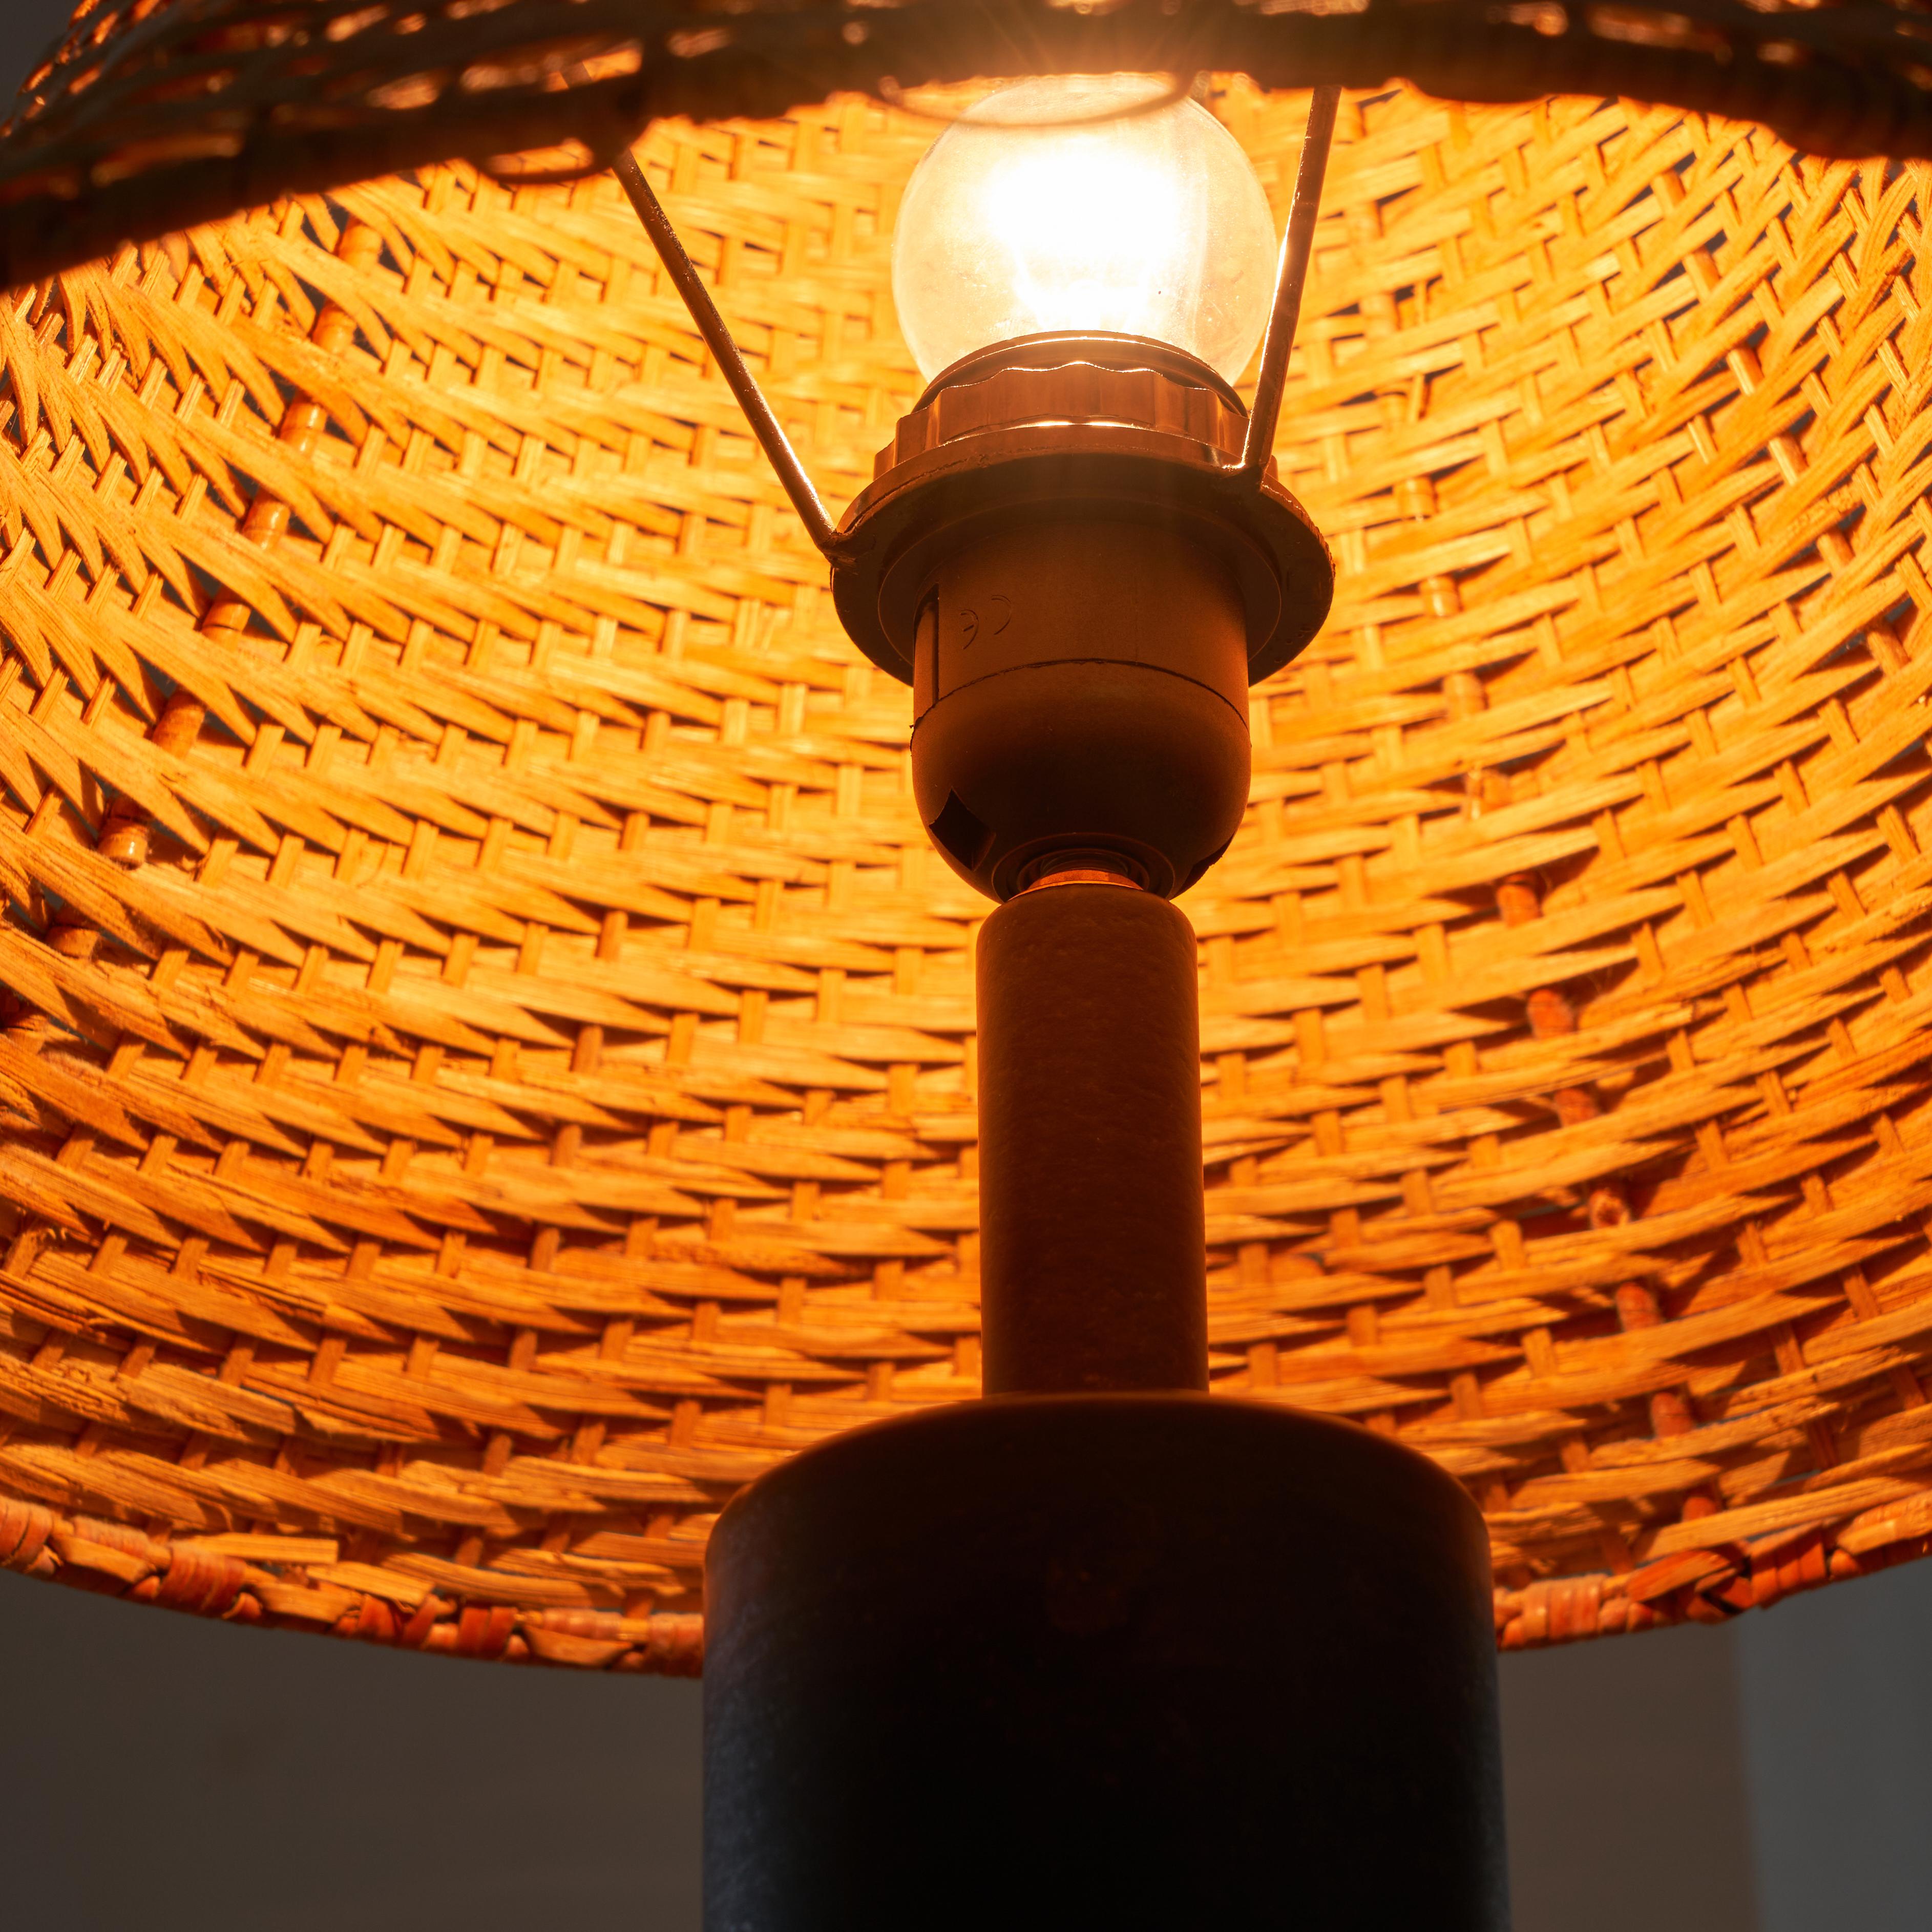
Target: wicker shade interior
(488,1066)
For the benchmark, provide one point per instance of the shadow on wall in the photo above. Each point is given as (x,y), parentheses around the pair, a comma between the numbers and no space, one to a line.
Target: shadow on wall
(1628,1805)
(159,1771)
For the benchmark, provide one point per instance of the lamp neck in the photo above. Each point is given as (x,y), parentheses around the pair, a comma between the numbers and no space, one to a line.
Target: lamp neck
(1092,1234)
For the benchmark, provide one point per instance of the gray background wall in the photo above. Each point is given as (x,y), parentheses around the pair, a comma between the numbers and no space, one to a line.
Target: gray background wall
(27,27)
(1774,1776)
(1835,1693)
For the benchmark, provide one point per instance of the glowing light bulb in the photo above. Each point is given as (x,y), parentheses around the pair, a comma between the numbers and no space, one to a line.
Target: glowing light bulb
(1070,203)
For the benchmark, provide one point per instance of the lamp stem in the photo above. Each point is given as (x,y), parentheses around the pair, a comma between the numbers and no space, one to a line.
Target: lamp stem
(1296,245)
(1092,1243)
(743,384)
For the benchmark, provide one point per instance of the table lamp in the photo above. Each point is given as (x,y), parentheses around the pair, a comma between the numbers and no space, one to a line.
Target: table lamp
(492,1072)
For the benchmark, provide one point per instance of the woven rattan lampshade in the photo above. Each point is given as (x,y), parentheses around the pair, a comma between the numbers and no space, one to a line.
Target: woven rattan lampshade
(489,1067)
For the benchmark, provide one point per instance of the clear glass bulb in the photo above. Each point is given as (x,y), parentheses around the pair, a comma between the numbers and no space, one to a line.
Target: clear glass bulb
(1053,204)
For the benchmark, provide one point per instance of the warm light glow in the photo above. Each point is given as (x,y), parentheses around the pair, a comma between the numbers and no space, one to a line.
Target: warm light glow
(1053,204)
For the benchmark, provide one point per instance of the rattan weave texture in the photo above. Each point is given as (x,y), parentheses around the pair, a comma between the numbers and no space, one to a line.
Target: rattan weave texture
(490,1065)
(153,114)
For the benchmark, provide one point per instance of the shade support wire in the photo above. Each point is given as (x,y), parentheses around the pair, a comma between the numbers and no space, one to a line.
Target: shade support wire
(711,326)
(1298,243)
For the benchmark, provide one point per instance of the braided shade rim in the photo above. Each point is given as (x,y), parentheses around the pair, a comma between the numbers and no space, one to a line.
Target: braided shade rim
(151,116)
